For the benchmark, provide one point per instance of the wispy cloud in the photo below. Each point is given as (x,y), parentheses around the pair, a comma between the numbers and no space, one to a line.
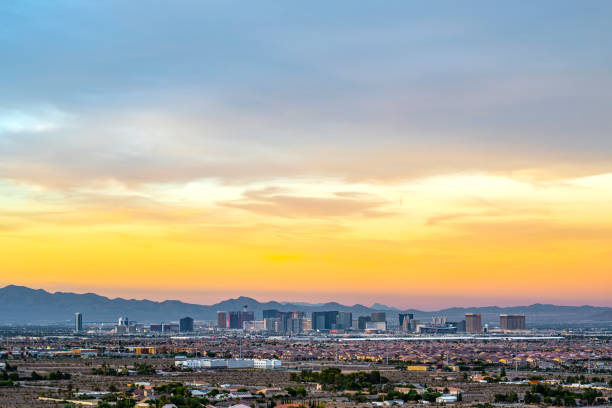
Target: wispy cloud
(276,202)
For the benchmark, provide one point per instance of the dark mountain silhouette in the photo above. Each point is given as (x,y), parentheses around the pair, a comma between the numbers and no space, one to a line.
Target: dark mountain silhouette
(22,305)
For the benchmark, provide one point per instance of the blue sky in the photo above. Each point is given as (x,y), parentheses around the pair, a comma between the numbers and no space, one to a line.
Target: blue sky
(483,74)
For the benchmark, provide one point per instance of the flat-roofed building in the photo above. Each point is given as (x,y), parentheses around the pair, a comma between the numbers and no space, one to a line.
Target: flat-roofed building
(381,326)
(345,320)
(271,314)
(266,364)
(324,320)
(222,320)
(235,320)
(362,321)
(273,324)
(296,325)
(78,322)
(473,323)
(512,322)
(379,316)
(186,324)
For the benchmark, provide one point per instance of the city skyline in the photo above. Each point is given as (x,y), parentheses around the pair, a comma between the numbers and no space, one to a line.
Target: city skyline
(23,298)
(406,154)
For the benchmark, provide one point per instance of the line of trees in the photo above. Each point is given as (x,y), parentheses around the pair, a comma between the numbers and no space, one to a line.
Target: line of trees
(510,397)
(53,375)
(561,396)
(333,379)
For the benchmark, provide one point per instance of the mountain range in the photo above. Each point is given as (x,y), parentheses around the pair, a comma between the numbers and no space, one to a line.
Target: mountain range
(23,305)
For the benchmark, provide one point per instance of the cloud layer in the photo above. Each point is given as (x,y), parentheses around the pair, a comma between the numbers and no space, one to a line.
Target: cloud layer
(467,144)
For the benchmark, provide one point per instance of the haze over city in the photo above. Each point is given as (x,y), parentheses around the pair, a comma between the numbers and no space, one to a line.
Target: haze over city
(394,152)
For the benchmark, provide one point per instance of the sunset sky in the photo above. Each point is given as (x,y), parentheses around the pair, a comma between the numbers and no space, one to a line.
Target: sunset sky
(417,154)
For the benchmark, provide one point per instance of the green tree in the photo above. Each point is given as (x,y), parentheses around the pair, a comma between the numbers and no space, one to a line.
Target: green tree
(532,398)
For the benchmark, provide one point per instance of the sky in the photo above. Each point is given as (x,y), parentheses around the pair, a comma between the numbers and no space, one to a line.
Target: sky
(417,154)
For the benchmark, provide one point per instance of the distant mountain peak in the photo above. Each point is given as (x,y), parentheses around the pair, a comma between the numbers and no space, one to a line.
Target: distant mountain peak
(37,306)
(380,306)
(246,299)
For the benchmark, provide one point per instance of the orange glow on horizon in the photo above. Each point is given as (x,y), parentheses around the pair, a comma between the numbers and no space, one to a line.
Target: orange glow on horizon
(422,242)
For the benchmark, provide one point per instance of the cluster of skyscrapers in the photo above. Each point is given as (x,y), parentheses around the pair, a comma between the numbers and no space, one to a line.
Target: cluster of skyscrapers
(274,321)
(473,322)
(284,322)
(296,322)
(234,320)
(332,320)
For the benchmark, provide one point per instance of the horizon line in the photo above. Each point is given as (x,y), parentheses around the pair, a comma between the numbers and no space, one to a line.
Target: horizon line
(392,308)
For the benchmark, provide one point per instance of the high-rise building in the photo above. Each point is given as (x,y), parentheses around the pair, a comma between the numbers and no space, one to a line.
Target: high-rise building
(235,320)
(169,328)
(286,320)
(413,324)
(345,320)
(222,320)
(306,323)
(246,316)
(296,325)
(271,313)
(298,314)
(405,320)
(512,322)
(186,324)
(318,320)
(473,323)
(324,320)
(460,325)
(273,325)
(362,322)
(78,322)
(379,316)
(123,321)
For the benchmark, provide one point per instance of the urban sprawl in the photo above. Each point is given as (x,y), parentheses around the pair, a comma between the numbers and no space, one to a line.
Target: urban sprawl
(294,359)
